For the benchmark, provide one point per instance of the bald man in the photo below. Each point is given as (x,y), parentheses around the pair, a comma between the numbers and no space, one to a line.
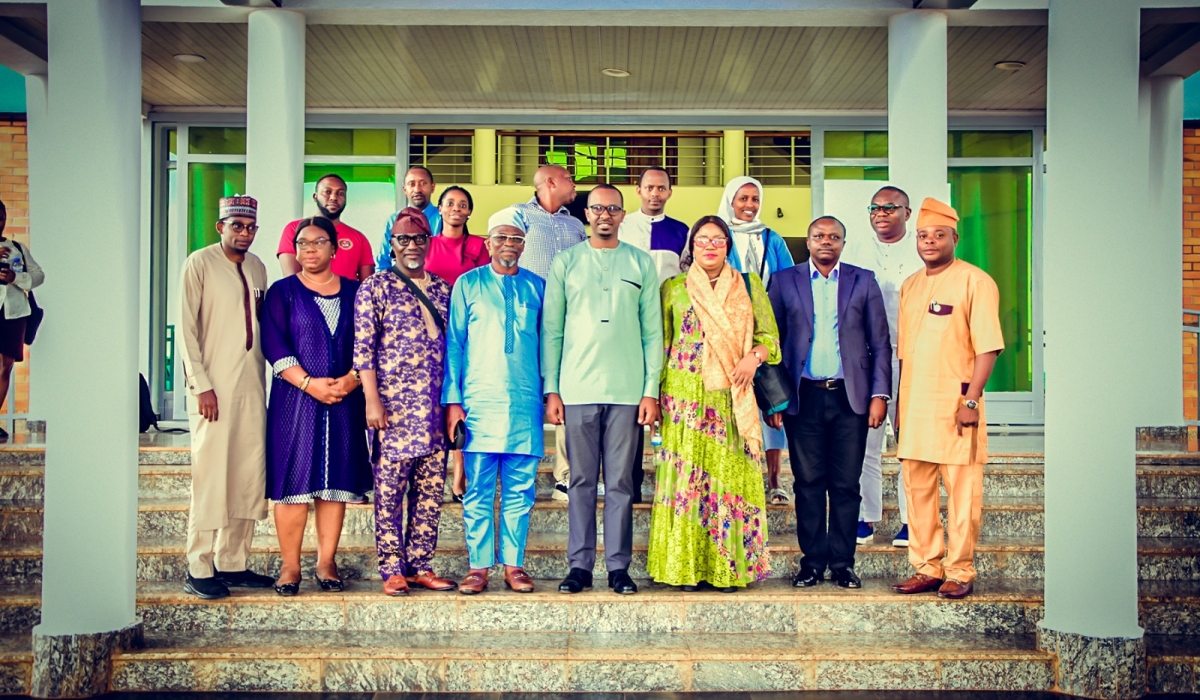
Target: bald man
(550,230)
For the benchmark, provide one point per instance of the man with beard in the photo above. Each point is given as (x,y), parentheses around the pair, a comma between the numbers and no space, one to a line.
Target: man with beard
(418,190)
(352,259)
(602,353)
(493,389)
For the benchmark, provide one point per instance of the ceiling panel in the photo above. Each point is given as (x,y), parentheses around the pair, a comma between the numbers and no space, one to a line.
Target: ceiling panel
(558,68)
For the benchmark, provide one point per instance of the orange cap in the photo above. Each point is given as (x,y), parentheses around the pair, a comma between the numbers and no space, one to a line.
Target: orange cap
(935,213)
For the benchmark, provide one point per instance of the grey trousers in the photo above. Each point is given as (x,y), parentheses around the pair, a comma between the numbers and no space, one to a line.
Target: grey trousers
(598,432)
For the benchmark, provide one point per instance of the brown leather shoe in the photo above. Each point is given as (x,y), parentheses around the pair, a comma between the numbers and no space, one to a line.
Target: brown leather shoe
(955,590)
(518,580)
(430,581)
(395,585)
(919,583)
(475,582)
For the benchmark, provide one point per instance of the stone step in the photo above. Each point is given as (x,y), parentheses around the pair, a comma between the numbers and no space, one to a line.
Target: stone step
(1173,664)
(22,520)
(578,661)
(1159,559)
(996,607)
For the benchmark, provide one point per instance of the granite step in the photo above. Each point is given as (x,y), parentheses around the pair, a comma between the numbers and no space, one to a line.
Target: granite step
(579,661)
(996,607)
(1173,664)
(1159,559)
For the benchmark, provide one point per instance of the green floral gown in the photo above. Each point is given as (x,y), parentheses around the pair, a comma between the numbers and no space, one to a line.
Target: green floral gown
(709,521)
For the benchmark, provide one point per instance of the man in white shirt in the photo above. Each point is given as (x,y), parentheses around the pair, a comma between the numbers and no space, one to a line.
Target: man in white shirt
(650,229)
(892,255)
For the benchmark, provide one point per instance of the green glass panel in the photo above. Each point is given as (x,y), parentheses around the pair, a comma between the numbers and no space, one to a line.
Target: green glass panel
(586,162)
(995,206)
(207,184)
(845,173)
(370,194)
(856,144)
(990,144)
(349,142)
(217,140)
(172,143)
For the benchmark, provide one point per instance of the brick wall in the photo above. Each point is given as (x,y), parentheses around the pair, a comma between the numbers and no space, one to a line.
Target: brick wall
(14,191)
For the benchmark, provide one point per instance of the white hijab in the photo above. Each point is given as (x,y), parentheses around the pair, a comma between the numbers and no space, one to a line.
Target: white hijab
(725,210)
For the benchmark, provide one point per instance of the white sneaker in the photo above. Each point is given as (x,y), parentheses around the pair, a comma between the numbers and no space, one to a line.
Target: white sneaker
(560,492)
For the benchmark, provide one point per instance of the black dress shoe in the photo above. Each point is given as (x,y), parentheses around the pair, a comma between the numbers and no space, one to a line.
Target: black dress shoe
(807,578)
(244,579)
(577,580)
(727,589)
(846,578)
(689,588)
(206,588)
(620,582)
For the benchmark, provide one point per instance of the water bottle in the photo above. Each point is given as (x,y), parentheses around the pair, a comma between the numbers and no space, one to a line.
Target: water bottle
(656,437)
(18,266)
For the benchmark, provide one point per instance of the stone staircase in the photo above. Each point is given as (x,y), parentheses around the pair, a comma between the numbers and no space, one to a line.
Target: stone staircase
(768,637)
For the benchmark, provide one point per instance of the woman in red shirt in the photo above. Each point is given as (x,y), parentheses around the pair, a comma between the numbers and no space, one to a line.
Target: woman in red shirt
(455,250)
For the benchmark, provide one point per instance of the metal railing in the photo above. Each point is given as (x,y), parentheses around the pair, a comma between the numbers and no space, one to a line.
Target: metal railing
(447,154)
(779,159)
(617,158)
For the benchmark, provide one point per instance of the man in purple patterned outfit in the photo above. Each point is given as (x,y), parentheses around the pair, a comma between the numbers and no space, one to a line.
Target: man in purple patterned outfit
(399,350)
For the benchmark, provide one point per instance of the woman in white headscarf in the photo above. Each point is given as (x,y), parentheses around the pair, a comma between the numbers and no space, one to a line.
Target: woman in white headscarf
(762,251)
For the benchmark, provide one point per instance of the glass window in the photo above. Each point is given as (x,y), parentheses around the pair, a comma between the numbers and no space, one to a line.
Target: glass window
(217,140)
(878,172)
(856,144)
(995,206)
(990,144)
(779,159)
(208,183)
(172,144)
(370,195)
(446,154)
(350,142)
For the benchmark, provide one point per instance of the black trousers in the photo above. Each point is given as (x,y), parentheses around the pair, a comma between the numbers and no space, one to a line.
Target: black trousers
(826,441)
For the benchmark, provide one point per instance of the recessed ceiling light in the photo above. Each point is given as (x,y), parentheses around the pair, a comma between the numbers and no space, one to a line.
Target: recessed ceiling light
(189,58)
(615,72)
(1010,65)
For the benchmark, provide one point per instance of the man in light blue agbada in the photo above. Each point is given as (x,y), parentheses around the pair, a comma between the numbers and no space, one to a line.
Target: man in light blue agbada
(493,387)
(602,353)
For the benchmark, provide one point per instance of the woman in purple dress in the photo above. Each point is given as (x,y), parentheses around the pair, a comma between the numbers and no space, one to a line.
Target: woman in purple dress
(316,419)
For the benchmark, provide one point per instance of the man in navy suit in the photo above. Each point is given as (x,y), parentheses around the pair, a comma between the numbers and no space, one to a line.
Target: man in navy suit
(833,331)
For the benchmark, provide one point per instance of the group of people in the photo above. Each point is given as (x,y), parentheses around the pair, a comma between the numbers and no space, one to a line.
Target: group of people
(453,343)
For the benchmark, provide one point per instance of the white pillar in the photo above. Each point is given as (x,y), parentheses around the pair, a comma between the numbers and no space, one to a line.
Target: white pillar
(1094,357)
(84,177)
(1161,396)
(917,104)
(275,126)
(39,150)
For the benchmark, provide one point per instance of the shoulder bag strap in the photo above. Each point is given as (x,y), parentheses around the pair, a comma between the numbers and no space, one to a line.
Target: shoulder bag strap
(412,287)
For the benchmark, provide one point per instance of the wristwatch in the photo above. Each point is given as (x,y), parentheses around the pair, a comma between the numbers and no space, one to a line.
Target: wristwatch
(973,405)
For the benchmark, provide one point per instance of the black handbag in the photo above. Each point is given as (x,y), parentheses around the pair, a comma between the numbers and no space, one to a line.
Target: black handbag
(772,383)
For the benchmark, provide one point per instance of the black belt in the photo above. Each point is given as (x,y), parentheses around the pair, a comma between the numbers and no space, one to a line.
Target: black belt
(826,384)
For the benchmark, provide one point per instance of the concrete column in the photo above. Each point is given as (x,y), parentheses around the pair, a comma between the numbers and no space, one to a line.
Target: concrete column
(87,161)
(483,157)
(917,104)
(1091,322)
(36,126)
(275,126)
(735,153)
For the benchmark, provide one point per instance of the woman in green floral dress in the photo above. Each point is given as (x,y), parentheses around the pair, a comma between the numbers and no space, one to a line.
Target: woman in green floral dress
(709,521)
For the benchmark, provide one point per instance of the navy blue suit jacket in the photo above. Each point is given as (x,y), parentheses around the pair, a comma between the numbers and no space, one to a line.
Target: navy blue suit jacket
(866,349)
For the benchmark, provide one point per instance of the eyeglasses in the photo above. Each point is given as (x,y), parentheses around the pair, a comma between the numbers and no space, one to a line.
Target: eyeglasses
(501,239)
(238,227)
(318,244)
(714,242)
(403,240)
(887,209)
(612,209)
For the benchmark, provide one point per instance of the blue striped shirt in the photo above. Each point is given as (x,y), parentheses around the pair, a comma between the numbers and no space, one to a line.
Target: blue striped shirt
(547,235)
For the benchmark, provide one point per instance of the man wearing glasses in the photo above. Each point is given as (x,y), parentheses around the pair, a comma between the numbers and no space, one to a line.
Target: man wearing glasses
(892,255)
(352,260)
(221,291)
(493,391)
(399,351)
(602,352)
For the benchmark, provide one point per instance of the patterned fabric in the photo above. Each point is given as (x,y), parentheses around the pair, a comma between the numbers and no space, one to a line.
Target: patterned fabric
(313,450)
(390,338)
(547,235)
(709,520)
(405,543)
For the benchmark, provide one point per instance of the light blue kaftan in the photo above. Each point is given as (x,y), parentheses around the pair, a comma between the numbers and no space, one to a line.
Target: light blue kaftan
(493,362)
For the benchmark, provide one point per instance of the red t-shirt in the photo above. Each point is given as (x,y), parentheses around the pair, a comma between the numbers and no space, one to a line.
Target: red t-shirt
(447,258)
(353,251)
